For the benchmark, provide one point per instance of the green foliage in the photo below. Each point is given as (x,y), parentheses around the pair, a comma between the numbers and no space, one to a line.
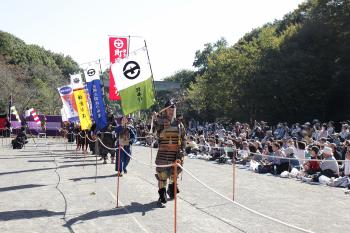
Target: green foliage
(295,69)
(184,77)
(31,74)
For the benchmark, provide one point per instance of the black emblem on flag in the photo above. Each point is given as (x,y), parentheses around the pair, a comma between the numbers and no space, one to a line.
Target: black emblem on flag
(131,70)
(91,72)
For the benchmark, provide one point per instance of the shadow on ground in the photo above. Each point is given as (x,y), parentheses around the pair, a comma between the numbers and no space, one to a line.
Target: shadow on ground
(92,177)
(26,186)
(134,207)
(27,214)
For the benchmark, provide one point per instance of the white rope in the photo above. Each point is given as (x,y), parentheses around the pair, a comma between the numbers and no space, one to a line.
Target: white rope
(280,157)
(109,148)
(211,189)
(243,206)
(164,166)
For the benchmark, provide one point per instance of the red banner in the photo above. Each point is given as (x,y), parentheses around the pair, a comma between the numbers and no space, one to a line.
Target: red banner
(118,49)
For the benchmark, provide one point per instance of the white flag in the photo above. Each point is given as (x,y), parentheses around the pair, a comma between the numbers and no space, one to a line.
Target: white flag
(76,81)
(134,82)
(92,72)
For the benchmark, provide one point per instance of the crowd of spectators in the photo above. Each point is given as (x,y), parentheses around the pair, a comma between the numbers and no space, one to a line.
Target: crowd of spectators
(311,152)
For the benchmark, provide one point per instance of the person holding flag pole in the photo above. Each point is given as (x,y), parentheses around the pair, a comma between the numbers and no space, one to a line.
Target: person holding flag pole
(171,136)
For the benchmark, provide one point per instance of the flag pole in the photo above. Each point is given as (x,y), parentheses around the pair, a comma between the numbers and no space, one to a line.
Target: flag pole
(128,45)
(101,76)
(10,105)
(150,66)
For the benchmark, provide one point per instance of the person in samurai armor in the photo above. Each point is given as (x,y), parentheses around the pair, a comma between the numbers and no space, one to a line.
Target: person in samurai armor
(171,135)
(125,138)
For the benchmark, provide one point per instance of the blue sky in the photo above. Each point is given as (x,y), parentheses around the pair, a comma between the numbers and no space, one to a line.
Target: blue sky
(174,30)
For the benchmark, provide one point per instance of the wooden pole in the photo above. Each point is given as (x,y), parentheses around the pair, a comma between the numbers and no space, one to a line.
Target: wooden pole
(118,176)
(233,178)
(175,196)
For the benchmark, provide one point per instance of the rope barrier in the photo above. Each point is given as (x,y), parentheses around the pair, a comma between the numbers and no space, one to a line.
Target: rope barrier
(226,198)
(208,187)
(241,205)
(273,156)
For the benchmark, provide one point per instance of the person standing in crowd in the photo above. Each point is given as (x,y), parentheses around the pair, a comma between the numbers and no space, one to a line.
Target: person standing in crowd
(7,127)
(91,139)
(70,133)
(107,137)
(43,124)
(171,136)
(125,138)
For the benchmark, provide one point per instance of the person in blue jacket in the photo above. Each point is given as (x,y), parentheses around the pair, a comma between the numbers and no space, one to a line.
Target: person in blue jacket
(125,138)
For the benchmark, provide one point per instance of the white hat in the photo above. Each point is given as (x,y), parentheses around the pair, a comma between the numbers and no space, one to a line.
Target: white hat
(229,142)
(327,150)
(289,151)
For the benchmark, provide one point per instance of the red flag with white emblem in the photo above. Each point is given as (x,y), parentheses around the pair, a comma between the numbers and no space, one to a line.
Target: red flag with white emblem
(118,49)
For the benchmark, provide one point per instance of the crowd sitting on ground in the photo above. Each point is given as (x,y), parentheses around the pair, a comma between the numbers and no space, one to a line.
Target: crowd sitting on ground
(312,152)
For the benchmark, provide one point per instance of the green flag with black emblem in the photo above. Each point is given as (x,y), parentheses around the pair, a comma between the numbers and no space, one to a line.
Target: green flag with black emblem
(134,81)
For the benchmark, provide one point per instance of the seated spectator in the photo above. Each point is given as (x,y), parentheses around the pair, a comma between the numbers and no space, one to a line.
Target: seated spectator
(267,137)
(203,145)
(312,166)
(243,154)
(214,151)
(300,152)
(323,133)
(229,150)
(345,169)
(258,133)
(336,154)
(329,166)
(191,146)
(20,139)
(280,164)
(344,134)
(279,132)
(293,163)
(347,165)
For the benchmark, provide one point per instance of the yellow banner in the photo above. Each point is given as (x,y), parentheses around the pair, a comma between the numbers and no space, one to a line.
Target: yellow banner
(83,109)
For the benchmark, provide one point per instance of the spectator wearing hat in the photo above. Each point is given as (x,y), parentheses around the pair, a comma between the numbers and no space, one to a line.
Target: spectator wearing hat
(329,166)
(229,149)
